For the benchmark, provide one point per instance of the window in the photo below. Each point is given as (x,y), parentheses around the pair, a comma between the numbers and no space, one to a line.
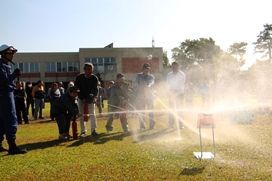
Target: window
(61,66)
(28,67)
(103,65)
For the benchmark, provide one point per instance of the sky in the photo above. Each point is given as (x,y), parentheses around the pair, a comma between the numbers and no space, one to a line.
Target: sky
(67,25)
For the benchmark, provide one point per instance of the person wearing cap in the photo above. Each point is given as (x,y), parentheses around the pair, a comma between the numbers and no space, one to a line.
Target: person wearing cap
(117,102)
(175,82)
(65,109)
(87,83)
(144,82)
(61,88)
(8,118)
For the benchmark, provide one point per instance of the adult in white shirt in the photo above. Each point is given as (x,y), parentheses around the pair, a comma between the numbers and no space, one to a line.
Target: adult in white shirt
(175,83)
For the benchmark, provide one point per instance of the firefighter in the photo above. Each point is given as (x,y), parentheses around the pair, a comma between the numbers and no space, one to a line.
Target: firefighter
(8,118)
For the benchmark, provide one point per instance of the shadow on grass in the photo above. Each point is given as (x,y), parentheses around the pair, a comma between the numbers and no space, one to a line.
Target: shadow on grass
(40,145)
(192,171)
(155,135)
(101,139)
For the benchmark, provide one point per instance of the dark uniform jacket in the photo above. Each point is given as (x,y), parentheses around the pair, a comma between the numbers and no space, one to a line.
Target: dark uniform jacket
(6,78)
(65,105)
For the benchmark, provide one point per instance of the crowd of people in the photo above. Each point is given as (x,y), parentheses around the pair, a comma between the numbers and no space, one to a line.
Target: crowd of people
(81,98)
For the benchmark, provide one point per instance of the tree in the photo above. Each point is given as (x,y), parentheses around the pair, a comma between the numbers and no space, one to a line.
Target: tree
(197,56)
(264,42)
(238,50)
(166,63)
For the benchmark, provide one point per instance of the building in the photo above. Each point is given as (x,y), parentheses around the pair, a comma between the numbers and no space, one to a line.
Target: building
(108,61)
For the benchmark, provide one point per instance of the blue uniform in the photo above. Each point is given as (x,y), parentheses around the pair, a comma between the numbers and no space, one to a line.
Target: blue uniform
(8,118)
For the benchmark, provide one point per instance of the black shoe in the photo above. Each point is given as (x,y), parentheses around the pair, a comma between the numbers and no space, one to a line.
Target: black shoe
(16,150)
(94,133)
(2,149)
(41,117)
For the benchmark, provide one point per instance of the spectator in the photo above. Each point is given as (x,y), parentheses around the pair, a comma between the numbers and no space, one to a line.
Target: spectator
(87,84)
(109,89)
(100,99)
(29,99)
(39,95)
(61,88)
(204,90)
(70,84)
(20,102)
(54,95)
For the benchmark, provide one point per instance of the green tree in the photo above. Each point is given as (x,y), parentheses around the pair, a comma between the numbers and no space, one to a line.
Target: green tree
(198,56)
(238,50)
(264,41)
(166,62)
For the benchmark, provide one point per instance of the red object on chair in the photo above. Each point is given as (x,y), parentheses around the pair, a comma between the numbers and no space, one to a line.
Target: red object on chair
(205,120)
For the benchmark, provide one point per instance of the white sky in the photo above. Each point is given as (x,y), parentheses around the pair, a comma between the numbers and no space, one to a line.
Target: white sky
(67,25)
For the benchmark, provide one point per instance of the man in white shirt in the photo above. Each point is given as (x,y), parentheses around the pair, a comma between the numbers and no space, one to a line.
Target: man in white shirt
(175,82)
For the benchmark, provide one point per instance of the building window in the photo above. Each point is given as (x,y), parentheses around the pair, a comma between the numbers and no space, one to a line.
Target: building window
(27,67)
(61,66)
(103,65)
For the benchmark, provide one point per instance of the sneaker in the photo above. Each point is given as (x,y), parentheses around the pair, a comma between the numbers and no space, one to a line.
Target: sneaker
(63,137)
(16,150)
(2,149)
(127,131)
(94,133)
(69,136)
(109,131)
(82,135)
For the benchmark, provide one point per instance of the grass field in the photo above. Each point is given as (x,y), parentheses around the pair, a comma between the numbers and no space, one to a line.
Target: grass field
(243,151)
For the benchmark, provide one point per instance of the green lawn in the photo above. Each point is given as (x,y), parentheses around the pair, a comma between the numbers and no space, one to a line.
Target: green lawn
(243,151)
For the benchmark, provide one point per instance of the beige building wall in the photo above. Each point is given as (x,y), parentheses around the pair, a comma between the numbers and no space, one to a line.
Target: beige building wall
(136,55)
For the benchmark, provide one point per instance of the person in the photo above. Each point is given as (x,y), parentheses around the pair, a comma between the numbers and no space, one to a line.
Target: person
(20,102)
(100,99)
(61,88)
(29,99)
(39,95)
(54,95)
(189,94)
(8,118)
(175,83)
(87,84)
(117,102)
(65,109)
(70,84)
(144,82)
(109,89)
(204,90)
